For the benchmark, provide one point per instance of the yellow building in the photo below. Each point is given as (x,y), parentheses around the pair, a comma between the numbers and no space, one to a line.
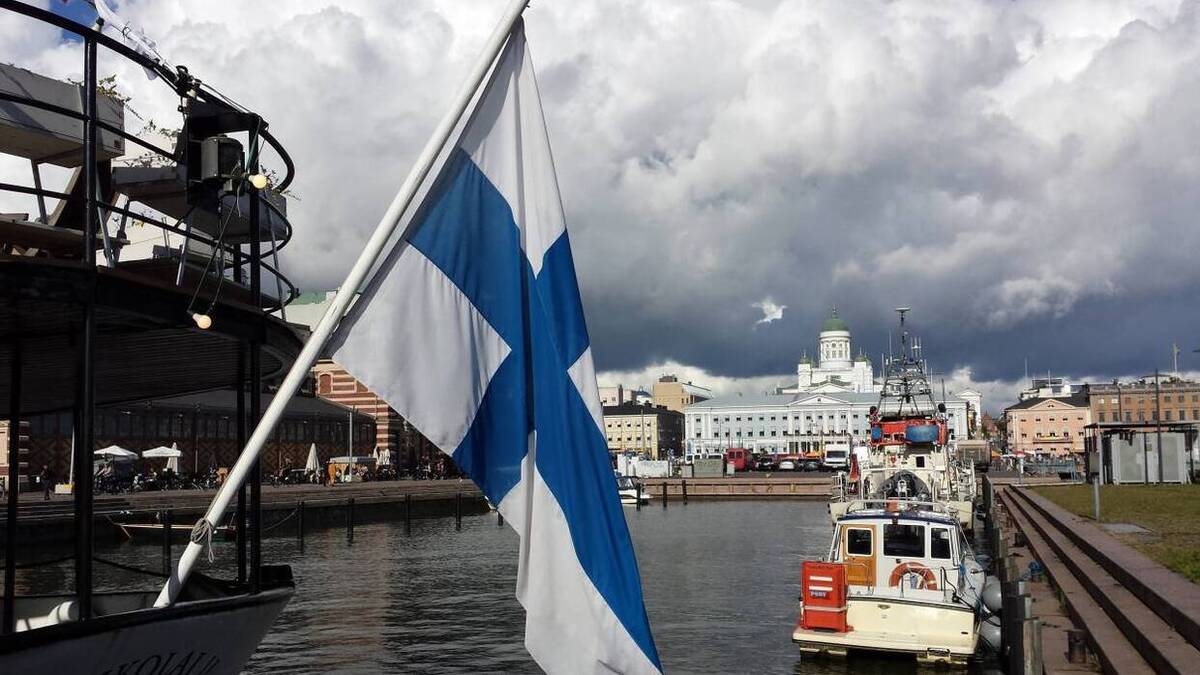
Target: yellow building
(651,431)
(672,394)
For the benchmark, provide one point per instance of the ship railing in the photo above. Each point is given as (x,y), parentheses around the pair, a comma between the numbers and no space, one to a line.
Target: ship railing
(899,505)
(89,176)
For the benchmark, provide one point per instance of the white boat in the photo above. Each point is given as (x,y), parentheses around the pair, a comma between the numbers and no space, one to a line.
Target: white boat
(627,488)
(900,577)
(214,628)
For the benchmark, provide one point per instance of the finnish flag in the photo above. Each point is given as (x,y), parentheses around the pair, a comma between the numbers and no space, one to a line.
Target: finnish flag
(474,332)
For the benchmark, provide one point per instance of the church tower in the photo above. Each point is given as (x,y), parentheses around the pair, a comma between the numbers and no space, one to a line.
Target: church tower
(835,344)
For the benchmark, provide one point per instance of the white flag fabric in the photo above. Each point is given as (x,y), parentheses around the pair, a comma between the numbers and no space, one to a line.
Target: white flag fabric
(474,332)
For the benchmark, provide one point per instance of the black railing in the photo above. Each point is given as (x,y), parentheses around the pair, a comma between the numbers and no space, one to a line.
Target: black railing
(181,84)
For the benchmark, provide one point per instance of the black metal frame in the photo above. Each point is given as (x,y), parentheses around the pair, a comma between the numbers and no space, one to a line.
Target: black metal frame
(183,85)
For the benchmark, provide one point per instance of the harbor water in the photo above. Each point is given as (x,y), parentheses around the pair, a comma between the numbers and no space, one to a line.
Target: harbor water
(721,582)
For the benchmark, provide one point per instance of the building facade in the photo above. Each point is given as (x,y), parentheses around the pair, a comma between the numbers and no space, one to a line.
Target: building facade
(1173,399)
(650,431)
(619,393)
(672,394)
(832,400)
(1047,427)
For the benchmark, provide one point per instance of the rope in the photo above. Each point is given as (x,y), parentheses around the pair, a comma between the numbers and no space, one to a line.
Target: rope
(129,568)
(202,534)
(281,521)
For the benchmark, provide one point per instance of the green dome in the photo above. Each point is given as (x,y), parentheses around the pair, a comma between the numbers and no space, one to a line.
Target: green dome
(834,323)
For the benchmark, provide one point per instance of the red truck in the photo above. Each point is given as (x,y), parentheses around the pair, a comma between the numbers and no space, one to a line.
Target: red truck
(740,458)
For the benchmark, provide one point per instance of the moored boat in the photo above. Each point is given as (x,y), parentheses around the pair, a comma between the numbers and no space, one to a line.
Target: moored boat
(900,577)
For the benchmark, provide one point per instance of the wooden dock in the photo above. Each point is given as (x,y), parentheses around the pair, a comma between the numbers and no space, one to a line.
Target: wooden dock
(777,486)
(1137,616)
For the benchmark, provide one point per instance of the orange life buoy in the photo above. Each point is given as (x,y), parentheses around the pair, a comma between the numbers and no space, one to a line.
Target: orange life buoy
(927,578)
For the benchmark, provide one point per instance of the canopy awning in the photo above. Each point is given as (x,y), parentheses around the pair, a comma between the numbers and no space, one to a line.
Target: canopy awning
(162,451)
(116,452)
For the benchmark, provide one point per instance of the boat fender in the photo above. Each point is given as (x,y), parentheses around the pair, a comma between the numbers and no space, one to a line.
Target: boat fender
(992,594)
(62,613)
(925,577)
(991,634)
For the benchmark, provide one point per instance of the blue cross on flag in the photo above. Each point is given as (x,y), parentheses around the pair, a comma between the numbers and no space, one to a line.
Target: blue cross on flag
(474,332)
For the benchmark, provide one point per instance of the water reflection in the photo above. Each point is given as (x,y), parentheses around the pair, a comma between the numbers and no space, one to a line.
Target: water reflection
(721,582)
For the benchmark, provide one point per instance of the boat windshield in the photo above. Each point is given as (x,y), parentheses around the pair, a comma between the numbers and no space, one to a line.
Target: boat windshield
(625,483)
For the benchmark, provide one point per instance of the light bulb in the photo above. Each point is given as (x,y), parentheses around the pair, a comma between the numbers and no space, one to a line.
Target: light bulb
(259,181)
(203,321)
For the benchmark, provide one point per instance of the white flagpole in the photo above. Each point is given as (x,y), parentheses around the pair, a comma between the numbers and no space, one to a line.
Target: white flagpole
(341,302)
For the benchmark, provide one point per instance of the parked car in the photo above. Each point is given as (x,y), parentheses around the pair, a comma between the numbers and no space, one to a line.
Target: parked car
(765,463)
(787,464)
(810,465)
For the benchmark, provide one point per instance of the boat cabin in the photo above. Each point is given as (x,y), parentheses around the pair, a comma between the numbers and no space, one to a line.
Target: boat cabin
(899,553)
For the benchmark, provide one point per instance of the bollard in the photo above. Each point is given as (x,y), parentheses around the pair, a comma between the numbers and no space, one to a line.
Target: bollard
(1031,647)
(458,511)
(408,514)
(350,521)
(638,498)
(664,495)
(499,518)
(167,517)
(1076,645)
(300,523)
(684,485)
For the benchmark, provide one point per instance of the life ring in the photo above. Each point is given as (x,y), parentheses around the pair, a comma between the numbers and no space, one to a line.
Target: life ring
(926,576)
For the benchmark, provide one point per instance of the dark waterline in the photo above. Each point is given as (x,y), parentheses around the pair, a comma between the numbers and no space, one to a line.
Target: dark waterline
(720,580)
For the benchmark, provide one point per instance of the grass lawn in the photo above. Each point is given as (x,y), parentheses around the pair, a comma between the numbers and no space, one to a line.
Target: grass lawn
(1171,512)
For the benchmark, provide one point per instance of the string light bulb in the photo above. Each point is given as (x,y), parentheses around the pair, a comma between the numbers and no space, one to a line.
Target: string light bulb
(259,181)
(203,321)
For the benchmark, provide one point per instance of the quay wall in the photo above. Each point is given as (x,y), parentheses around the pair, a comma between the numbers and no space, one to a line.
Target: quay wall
(729,488)
(51,522)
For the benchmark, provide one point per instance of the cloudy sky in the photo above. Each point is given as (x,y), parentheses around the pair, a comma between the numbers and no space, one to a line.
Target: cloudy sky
(1023,174)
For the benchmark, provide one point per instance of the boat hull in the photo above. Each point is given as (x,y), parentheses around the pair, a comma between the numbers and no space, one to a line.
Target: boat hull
(199,637)
(931,632)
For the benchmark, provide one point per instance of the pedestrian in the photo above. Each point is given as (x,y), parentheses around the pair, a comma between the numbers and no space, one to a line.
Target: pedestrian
(47,479)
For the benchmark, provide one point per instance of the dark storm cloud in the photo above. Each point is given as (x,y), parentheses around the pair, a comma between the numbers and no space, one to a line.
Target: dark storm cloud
(1024,175)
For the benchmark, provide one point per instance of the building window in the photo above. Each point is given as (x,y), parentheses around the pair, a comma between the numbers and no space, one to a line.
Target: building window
(1101,415)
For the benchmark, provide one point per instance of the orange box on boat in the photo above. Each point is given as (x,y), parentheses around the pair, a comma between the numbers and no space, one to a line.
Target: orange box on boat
(823,592)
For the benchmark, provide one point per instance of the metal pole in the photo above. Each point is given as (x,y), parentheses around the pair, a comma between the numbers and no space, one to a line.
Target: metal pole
(167,519)
(354,280)
(1158,426)
(350,521)
(458,511)
(240,510)
(300,523)
(683,484)
(85,402)
(14,474)
(256,377)
(1096,494)
(195,445)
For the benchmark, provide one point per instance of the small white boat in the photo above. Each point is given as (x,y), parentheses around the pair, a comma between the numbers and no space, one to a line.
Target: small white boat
(900,577)
(628,489)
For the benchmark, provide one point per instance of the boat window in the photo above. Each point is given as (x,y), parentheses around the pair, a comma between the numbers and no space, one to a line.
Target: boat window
(920,462)
(939,543)
(905,541)
(858,541)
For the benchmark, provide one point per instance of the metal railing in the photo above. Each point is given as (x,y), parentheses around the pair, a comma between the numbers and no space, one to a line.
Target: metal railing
(184,85)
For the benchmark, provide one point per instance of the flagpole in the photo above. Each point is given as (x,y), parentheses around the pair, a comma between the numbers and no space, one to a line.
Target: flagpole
(341,302)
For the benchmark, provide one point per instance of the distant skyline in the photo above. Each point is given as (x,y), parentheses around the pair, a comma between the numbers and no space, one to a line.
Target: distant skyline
(1024,175)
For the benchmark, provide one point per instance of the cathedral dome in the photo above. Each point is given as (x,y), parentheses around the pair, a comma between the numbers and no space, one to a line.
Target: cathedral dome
(833,323)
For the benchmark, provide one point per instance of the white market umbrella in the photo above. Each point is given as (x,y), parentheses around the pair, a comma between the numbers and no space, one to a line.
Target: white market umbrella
(116,452)
(163,451)
(313,464)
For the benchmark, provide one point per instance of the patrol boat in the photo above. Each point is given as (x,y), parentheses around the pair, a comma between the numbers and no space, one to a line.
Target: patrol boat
(910,456)
(901,577)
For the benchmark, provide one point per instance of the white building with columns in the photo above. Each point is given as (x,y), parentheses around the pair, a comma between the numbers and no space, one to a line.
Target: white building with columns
(831,401)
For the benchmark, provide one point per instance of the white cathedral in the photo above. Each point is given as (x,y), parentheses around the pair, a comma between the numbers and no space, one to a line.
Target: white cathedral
(836,369)
(831,401)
